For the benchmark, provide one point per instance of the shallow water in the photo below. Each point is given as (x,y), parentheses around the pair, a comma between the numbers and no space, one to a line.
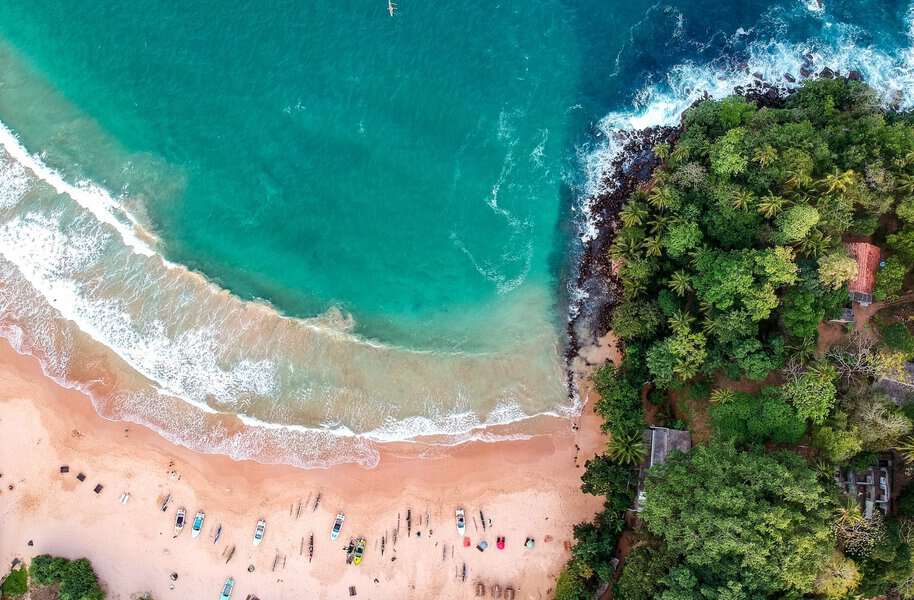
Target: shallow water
(328,221)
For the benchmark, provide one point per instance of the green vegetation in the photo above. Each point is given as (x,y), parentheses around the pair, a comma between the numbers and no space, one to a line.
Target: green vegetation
(76,578)
(16,584)
(730,258)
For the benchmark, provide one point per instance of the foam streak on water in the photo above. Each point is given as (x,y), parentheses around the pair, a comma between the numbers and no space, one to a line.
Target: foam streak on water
(156,344)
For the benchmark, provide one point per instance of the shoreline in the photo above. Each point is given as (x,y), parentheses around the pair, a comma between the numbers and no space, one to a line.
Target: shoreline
(133,551)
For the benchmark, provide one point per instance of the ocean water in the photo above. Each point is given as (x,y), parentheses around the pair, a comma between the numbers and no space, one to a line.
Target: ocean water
(290,231)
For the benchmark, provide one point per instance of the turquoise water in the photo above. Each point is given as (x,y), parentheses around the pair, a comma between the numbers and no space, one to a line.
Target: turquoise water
(378,215)
(403,169)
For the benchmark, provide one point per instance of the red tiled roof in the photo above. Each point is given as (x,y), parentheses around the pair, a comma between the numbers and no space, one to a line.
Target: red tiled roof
(867,256)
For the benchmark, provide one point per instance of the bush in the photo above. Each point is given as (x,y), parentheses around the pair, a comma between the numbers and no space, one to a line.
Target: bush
(897,337)
(17,584)
(755,420)
(76,578)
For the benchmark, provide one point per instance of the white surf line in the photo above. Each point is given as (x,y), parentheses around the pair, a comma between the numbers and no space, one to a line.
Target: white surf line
(89,196)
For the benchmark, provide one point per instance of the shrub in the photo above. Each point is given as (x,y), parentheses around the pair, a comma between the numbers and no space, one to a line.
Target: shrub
(16,584)
(76,578)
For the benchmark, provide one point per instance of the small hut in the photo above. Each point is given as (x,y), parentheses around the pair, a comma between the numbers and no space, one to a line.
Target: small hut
(867,257)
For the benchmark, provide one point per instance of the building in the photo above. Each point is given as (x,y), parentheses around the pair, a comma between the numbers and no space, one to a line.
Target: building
(872,487)
(867,257)
(659,441)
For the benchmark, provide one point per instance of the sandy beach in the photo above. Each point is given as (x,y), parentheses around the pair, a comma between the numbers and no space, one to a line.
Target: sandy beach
(523,488)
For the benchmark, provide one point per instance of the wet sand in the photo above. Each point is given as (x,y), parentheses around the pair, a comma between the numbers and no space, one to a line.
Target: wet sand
(524,487)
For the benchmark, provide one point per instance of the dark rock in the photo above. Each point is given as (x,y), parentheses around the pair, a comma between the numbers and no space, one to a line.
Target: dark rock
(758,76)
(827,73)
(790,78)
(854,75)
(806,72)
(808,57)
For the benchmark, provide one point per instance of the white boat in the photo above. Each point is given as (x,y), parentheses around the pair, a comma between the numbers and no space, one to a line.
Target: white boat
(461,522)
(259,531)
(180,519)
(198,524)
(337,526)
(227,589)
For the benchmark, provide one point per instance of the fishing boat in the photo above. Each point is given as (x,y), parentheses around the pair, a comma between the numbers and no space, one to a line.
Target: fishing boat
(165,503)
(359,552)
(259,531)
(218,534)
(391,7)
(461,522)
(198,524)
(337,526)
(350,551)
(180,519)
(227,589)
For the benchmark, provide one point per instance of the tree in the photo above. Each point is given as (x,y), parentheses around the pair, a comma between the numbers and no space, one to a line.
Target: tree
(727,158)
(812,392)
(902,243)
(644,571)
(619,403)
(771,205)
(839,577)
(678,357)
(859,536)
(633,319)
(626,447)
(748,419)
(796,222)
(16,584)
(603,476)
(881,423)
(747,521)
(681,237)
(836,269)
(890,279)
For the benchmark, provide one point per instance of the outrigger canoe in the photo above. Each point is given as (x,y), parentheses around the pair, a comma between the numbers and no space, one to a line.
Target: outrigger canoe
(259,531)
(198,524)
(359,551)
(461,522)
(337,526)
(180,519)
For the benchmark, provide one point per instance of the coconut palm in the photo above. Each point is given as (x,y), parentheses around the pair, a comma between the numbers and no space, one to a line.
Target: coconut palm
(905,184)
(848,513)
(722,395)
(838,181)
(662,198)
(658,224)
(742,199)
(804,349)
(653,246)
(765,156)
(681,320)
(770,205)
(633,214)
(680,154)
(906,449)
(625,247)
(680,283)
(626,447)
(662,151)
(815,244)
(797,178)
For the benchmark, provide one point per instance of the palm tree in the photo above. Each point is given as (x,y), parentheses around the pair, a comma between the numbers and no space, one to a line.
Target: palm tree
(838,181)
(804,349)
(626,447)
(681,320)
(814,244)
(770,205)
(765,156)
(680,154)
(797,177)
(906,449)
(848,513)
(722,395)
(741,199)
(625,247)
(680,283)
(662,151)
(662,198)
(633,214)
(653,246)
(905,184)
(658,224)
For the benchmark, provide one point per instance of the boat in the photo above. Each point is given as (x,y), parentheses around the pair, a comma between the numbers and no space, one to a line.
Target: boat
(337,526)
(165,503)
(180,518)
(198,524)
(391,7)
(461,522)
(259,531)
(218,534)
(227,589)
(359,551)
(350,551)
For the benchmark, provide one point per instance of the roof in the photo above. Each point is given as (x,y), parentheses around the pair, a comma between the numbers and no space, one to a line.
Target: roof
(664,440)
(867,256)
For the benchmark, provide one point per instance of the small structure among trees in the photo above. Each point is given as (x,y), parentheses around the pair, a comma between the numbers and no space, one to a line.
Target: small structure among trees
(870,487)
(660,441)
(867,257)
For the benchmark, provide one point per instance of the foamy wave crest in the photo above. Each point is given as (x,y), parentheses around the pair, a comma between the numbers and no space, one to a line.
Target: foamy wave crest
(890,73)
(156,344)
